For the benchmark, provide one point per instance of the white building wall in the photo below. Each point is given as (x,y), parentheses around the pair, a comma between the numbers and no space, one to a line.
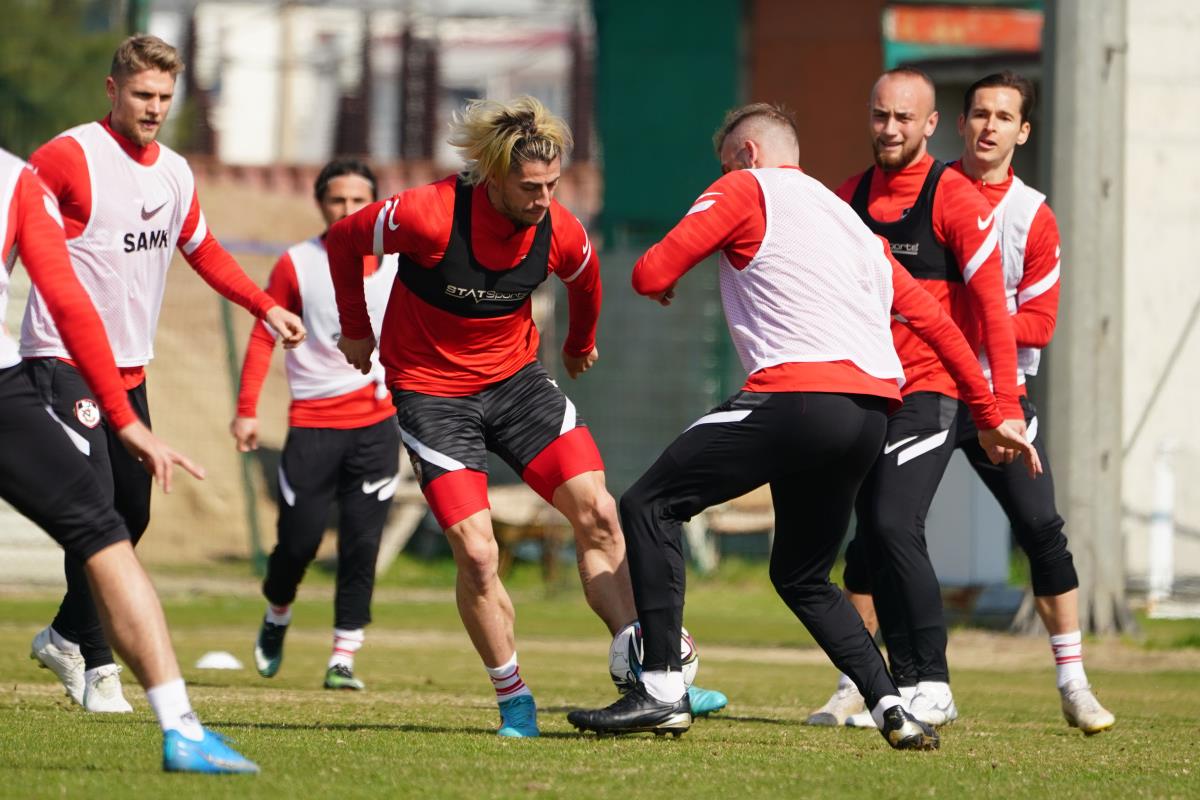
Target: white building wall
(1162,272)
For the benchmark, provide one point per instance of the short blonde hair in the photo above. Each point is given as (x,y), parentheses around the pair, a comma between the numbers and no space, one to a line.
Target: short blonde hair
(140,53)
(771,113)
(494,137)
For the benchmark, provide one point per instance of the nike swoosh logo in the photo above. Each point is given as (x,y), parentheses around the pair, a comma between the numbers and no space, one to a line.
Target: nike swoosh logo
(392,224)
(985,222)
(890,447)
(149,214)
(371,487)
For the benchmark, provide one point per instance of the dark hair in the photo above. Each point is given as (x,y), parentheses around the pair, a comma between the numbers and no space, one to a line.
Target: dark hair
(344,166)
(1003,80)
(771,112)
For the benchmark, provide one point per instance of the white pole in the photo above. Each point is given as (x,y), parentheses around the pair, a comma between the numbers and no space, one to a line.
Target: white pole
(1162,527)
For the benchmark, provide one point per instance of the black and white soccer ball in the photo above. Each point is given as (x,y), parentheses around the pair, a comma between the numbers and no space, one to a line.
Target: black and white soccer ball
(625,657)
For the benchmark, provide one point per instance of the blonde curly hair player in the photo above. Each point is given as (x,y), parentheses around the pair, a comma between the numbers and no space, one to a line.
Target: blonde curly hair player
(493,136)
(459,348)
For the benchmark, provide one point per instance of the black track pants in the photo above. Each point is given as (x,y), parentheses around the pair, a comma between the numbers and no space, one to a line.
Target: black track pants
(814,450)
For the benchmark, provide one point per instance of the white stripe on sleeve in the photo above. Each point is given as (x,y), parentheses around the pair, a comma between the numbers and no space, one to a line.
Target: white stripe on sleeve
(383,213)
(197,237)
(981,255)
(1039,288)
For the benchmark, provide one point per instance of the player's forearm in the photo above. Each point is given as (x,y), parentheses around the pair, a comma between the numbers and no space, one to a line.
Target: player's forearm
(347,243)
(217,267)
(584,312)
(999,340)
(255,366)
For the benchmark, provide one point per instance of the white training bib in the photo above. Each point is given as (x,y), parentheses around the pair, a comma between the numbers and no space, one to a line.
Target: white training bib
(122,256)
(10,172)
(317,368)
(818,289)
(1014,216)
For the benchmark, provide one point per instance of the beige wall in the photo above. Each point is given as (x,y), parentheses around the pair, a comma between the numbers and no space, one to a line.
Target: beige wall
(1162,277)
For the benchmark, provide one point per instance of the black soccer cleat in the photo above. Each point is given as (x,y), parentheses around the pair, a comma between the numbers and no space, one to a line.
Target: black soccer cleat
(636,712)
(268,648)
(903,731)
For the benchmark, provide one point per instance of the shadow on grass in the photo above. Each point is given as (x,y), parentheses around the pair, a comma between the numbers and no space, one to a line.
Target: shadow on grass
(393,727)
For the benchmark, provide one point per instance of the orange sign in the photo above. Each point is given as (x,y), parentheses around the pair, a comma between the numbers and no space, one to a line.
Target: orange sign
(1012,29)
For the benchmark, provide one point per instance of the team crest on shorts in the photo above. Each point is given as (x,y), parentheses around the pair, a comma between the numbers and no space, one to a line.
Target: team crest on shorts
(87,412)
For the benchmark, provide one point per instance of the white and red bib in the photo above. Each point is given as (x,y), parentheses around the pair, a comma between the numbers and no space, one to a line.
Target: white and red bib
(317,369)
(811,294)
(10,172)
(1014,215)
(122,256)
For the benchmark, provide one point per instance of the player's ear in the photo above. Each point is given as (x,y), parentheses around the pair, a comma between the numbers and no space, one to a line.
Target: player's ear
(1023,133)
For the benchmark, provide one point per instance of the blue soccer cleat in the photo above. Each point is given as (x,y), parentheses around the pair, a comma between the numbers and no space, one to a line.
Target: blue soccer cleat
(211,755)
(518,718)
(706,701)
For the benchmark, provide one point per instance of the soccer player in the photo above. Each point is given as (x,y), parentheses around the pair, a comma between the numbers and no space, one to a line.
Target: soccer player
(127,202)
(944,234)
(44,476)
(342,443)
(460,350)
(808,293)
(994,122)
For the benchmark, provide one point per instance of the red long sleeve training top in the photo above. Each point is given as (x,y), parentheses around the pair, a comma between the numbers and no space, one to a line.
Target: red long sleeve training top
(734,222)
(426,349)
(39,239)
(62,166)
(962,222)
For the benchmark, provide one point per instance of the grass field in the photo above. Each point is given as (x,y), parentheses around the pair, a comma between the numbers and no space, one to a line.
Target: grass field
(424,727)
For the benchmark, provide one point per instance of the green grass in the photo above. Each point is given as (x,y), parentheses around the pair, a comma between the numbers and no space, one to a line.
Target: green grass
(424,728)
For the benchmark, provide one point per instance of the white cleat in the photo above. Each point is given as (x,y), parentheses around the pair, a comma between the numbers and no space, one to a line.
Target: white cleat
(845,702)
(66,664)
(933,703)
(1083,710)
(102,692)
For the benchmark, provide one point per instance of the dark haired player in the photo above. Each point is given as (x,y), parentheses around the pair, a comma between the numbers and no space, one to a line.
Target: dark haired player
(343,442)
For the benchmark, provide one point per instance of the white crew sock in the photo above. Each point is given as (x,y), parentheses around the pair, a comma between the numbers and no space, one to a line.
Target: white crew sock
(665,686)
(885,702)
(1068,657)
(844,682)
(345,645)
(66,645)
(907,693)
(173,709)
(279,615)
(506,680)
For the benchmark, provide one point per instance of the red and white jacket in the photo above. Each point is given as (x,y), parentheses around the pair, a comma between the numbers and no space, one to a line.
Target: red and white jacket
(125,209)
(30,224)
(326,391)
(736,217)
(1030,250)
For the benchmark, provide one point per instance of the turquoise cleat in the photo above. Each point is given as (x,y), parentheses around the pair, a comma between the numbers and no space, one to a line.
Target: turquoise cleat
(706,701)
(518,718)
(210,755)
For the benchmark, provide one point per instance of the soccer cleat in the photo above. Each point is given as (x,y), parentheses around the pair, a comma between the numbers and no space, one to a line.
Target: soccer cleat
(66,665)
(340,676)
(102,692)
(518,718)
(903,731)
(845,702)
(636,712)
(268,648)
(1083,710)
(933,704)
(211,755)
(705,701)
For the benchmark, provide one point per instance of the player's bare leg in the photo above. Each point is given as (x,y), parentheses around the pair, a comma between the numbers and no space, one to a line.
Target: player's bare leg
(600,548)
(1060,615)
(487,613)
